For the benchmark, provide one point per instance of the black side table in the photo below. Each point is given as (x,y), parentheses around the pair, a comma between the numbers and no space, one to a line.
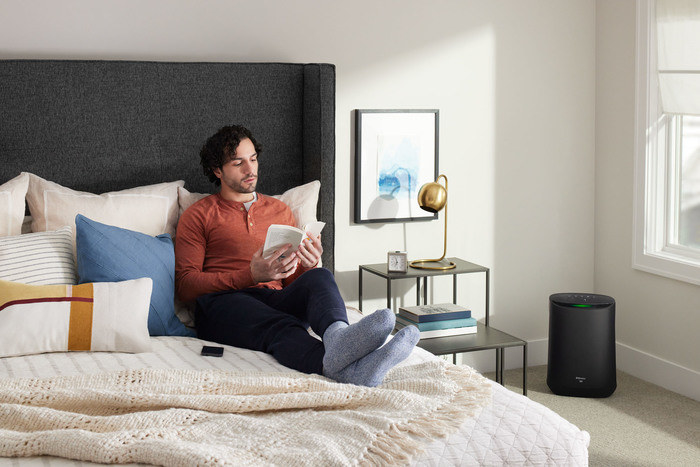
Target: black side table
(486,337)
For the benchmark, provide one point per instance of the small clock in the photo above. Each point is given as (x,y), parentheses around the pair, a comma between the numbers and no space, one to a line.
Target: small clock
(396,261)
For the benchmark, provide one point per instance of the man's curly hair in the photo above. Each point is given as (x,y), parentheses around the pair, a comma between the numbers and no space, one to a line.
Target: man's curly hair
(221,148)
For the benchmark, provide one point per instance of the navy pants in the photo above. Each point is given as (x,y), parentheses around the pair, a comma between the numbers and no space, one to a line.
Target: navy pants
(275,321)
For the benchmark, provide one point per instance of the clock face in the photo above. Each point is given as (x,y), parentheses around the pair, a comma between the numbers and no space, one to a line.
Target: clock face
(397,262)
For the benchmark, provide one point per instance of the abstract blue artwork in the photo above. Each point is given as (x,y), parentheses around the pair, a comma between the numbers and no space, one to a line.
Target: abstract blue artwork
(396,153)
(399,162)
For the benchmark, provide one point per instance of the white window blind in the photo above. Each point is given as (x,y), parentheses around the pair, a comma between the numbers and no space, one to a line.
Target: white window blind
(678,39)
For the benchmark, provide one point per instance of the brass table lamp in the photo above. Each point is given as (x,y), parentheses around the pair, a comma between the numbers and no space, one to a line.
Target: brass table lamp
(432,197)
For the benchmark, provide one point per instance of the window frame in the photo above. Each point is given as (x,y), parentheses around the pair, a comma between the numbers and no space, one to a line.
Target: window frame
(657,169)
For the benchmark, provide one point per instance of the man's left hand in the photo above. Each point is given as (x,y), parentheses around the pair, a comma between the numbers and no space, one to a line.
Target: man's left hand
(310,251)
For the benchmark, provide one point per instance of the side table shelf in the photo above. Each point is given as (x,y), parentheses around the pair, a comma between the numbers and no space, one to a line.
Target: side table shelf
(486,337)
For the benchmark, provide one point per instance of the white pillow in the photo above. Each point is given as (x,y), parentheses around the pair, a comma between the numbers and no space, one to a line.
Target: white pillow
(302,200)
(12,205)
(151,209)
(100,316)
(186,199)
(39,258)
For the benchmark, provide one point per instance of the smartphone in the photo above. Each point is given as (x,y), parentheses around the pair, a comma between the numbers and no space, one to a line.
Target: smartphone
(210,351)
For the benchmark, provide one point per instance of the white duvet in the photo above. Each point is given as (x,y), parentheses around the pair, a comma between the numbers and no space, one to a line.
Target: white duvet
(512,430)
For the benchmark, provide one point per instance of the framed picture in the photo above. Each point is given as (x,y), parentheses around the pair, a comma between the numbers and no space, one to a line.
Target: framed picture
(396,152)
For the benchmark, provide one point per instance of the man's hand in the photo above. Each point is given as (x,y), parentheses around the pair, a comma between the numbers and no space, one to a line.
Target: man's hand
(310,251)
(274,267)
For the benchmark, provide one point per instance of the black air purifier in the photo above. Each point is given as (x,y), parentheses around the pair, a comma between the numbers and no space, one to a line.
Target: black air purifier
(581,359)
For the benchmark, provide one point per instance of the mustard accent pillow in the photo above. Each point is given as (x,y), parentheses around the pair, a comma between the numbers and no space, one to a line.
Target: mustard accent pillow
(100,316)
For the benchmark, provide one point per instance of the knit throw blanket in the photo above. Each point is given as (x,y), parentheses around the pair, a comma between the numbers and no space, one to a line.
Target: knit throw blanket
(187,417)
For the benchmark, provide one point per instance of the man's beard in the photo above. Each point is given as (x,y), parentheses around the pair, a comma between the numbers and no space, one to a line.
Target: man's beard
(240,187)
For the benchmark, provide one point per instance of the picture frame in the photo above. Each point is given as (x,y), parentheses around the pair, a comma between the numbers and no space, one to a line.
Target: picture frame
(396,152)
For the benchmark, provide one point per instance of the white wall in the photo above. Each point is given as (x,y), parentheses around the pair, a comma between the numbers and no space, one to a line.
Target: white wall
(658,319)
(514,82)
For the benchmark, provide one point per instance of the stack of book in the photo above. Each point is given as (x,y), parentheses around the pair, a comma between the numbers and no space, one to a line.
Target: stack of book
(437,320)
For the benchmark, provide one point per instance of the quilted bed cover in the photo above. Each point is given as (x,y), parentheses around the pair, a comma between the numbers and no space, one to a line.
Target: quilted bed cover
(512,430)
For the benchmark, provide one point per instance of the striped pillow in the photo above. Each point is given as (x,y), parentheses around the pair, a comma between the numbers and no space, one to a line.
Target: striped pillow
(101,316)
(39,258)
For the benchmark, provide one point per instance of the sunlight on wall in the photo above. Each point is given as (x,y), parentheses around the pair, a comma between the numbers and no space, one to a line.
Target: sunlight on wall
(457,76)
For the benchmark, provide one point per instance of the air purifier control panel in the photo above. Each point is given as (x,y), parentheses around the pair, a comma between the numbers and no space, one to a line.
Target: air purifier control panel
(581,300)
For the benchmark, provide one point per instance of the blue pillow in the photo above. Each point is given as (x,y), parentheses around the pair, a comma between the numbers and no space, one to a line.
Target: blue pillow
(111,254)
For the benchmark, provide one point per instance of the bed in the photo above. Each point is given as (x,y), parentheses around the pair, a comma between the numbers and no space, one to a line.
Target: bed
(118,141)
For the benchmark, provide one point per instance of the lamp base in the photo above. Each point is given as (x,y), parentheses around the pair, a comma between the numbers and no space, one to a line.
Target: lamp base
(438,265)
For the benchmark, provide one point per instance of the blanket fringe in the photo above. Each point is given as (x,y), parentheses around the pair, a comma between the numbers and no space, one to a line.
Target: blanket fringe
(393,447)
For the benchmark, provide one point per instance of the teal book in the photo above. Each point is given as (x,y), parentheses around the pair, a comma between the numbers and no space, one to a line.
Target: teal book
(433,325)
(441,332)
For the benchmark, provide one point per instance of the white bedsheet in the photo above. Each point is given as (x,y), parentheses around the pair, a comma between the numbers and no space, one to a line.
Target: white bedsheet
(513,430)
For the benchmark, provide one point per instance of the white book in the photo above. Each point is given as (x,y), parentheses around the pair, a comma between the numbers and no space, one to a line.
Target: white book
(279,234)
(448,332)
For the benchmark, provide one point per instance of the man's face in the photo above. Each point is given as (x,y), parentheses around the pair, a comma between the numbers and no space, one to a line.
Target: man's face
(240,174)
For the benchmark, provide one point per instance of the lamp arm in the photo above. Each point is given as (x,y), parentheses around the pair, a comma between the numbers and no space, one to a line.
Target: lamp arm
(447,199)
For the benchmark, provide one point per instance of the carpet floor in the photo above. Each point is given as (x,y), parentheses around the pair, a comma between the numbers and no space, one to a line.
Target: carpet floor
(640,424)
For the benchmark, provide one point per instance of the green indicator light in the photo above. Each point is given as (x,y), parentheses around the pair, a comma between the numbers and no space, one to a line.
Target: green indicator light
(582,306)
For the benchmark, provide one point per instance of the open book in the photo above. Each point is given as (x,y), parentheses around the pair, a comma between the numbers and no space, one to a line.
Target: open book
(279,234)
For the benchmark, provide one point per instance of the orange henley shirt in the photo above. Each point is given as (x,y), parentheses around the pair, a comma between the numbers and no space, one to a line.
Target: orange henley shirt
(216,240)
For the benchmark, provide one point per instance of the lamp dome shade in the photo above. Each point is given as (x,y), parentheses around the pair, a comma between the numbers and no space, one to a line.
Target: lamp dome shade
(432,197)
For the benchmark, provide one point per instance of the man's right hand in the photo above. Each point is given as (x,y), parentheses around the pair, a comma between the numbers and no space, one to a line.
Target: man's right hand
(274,267)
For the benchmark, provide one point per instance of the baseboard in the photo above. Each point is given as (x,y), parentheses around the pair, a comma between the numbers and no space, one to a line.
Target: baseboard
(633,361)
(658,371)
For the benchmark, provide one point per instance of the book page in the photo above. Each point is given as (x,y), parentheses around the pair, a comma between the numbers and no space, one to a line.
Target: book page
(314,228)
(278,235)
(434,308)
(439,308)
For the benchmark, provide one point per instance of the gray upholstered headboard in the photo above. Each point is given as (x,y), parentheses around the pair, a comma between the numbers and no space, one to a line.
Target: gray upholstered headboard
(101,126)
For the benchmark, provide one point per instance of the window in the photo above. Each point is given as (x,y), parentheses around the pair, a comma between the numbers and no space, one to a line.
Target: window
(667,198)
(689,208)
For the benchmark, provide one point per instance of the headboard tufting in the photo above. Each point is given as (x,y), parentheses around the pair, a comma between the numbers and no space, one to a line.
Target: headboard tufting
(101,126)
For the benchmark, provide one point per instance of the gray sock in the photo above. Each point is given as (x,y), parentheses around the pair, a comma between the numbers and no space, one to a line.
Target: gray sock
(345,344)
(371,369)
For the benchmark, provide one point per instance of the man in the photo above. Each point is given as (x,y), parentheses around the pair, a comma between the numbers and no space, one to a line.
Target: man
(267,303)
